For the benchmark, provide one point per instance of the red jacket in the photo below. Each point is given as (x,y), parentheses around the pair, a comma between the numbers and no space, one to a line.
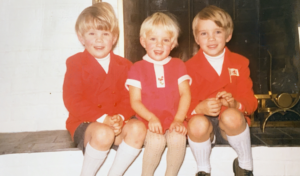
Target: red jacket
(235,78)
(89,93)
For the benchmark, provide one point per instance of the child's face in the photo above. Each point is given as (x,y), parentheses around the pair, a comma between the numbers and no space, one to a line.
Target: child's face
(99,43)
(211,38)
(158,44)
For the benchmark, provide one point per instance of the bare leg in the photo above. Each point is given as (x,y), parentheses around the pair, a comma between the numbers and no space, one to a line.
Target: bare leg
(199,133)
(98,140)
(131,139)
(236,130)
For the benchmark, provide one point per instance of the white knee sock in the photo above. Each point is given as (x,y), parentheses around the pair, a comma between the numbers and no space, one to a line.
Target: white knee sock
(124,157)
(201,152)
(242,145)
(92,160)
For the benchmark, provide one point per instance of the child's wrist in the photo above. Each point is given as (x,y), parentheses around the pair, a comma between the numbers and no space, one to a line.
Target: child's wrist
(180,120)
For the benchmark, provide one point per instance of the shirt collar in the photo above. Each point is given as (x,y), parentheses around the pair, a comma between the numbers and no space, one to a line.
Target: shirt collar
(163,62)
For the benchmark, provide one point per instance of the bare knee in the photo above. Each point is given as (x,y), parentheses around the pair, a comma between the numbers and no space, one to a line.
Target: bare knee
(199,126)
(135,129)
(101,136)
(232,119)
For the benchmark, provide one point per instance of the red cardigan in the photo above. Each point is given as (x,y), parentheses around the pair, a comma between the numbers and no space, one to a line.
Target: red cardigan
(235,78)
(89,93)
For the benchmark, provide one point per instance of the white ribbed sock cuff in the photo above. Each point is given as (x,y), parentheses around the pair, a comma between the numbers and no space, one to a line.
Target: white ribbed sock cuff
(93,153)
(92,160)
(124,157)
(241,143)
(130,150)
(201,152)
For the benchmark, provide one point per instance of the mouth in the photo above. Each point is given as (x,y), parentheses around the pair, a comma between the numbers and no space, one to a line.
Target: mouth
(99,47)
(157,52)
(212,46)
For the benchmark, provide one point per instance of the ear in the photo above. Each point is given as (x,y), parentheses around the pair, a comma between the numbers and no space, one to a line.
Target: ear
(173,46)
(143,41)
(115,39)
(228,38)
(196,40)
(80,38)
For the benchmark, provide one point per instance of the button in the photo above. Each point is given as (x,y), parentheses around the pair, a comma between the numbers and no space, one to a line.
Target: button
(99,106)
(115,104)
(246,112)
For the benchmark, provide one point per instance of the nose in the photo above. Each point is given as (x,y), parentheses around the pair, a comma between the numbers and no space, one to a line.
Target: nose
(211,36)
(99,38)
(159,43)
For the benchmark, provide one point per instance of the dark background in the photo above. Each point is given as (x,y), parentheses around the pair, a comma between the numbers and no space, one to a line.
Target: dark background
(260,27)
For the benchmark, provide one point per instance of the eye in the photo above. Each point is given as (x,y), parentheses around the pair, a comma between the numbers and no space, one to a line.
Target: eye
(203,33)
(106,34)
(166,40)
(152,39)
(219,32)
(91,33)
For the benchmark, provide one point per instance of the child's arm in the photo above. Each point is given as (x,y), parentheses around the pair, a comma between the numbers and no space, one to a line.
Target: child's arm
(154,124)
(184,104)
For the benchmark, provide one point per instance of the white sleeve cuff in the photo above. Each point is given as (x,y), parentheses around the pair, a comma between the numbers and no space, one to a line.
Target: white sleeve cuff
(133,82)
(122,117)
(241,106)
(194,112)
(185,77)
(102,118)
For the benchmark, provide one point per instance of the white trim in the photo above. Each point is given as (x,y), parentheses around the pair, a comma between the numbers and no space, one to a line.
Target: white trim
(162,62)
(194,112)
(183,78)
(122,117)
(133,82)
(241,106)
(159,76)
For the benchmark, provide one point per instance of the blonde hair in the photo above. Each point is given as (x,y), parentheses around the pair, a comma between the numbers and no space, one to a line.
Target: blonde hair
(159,19)
(216,14)
(100,16)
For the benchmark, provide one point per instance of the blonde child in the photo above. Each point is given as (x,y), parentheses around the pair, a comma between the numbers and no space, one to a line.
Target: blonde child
(160,94)
(222,95)
(95,96)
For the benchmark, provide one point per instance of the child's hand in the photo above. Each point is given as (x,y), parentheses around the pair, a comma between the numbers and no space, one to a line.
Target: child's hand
(226,99)
(210,106)
(115,122)
(154,125)
(117,125)
(178,127)
(108,121)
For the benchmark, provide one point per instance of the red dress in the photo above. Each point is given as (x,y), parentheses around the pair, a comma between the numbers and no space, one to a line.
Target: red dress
(235,78)
(159,91)
(89,93)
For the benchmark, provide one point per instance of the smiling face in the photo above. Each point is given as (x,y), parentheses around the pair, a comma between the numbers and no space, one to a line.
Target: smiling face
(158,43)
(98,43)
(211,38)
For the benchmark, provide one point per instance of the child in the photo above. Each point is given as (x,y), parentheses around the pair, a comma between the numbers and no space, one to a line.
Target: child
(95,96)
(222,95)
(160,94)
